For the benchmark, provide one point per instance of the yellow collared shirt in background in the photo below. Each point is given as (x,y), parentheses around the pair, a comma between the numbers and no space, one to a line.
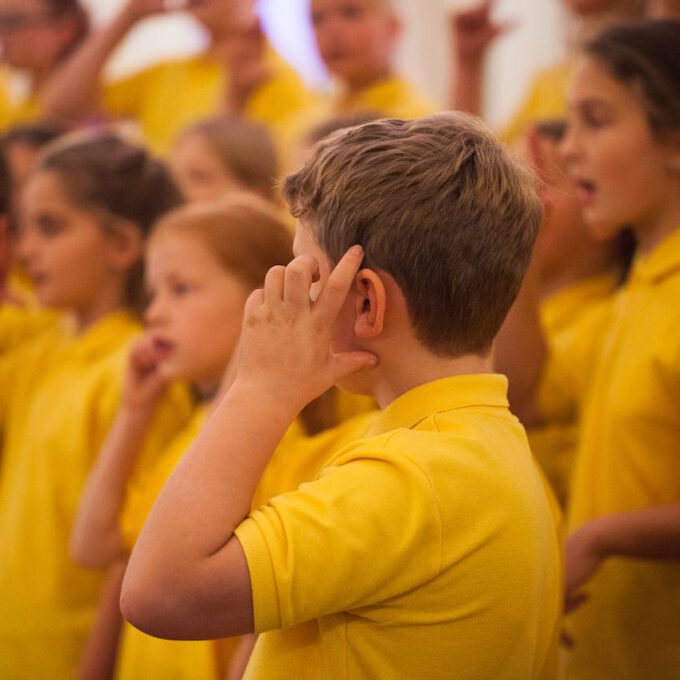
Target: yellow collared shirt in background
(167,97)
(629,459)
(426,549)
(58,398)
(566,321)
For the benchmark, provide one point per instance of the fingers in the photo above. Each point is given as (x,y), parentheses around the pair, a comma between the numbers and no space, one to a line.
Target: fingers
(299,276)
(347,363)
(339,283)
(273,285)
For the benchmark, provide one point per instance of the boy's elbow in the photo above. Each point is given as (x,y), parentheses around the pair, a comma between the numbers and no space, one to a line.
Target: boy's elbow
(145,607)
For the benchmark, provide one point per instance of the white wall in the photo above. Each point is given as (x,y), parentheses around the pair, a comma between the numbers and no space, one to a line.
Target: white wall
(424,55)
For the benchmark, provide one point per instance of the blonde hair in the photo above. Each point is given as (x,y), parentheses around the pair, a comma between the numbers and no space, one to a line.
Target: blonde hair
(245,234)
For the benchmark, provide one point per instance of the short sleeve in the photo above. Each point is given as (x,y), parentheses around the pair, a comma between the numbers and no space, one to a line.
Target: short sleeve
(366,530)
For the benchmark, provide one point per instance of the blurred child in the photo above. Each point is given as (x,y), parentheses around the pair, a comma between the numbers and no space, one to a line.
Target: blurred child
(202,263)
(622,152)
(35,35)
(238,74)
(394,558)
(357,41)
(572,274)
(86,210)
(217,155)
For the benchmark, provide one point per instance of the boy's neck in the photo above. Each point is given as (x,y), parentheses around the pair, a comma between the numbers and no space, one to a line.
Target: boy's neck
(411,369)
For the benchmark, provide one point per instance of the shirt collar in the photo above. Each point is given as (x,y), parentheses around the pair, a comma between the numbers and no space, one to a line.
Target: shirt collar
(660,263)
(445,394)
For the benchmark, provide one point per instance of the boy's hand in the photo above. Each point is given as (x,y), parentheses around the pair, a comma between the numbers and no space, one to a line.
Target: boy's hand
(285,348)
(144,383)
(474,31)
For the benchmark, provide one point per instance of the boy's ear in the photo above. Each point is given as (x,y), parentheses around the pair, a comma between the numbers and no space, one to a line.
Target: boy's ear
(127,244)
(370,304)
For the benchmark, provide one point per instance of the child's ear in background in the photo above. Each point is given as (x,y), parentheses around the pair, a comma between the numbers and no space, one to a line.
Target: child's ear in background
(370,304)
(127,244)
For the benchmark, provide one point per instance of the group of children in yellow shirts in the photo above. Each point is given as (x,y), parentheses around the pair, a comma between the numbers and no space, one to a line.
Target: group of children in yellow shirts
(200,472)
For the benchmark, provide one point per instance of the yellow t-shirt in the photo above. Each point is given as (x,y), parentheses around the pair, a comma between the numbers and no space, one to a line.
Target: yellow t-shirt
(17,102)
(167,97)
(628,459)
(59,395)
(562,318)
(394,561)
(546,99)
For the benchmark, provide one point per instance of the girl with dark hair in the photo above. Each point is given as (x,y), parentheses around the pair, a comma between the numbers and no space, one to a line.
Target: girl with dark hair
(623,152)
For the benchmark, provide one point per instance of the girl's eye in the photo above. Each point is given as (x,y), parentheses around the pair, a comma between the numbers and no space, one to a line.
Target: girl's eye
(49,226)
(180,288)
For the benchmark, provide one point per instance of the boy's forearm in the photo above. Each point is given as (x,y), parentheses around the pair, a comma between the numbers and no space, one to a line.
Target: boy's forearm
(76,86)
(176,574)
(95,539)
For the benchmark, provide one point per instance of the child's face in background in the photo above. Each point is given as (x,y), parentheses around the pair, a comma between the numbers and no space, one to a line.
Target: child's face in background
(356,38)
(198,171)
(196,309)
(29,36)
(66,250)
(621,170)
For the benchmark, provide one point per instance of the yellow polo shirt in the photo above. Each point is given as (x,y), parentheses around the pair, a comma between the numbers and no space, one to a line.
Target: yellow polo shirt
(566,316)
(58,398)
(394,561)
(628,459)
(167,97)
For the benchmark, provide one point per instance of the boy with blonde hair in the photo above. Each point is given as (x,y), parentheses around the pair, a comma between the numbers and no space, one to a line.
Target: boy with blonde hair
(426,547)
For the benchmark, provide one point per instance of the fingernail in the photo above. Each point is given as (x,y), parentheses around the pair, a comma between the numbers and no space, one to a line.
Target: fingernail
(357,250)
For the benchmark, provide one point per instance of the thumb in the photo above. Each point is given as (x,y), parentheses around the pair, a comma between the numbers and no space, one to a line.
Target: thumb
(347,363)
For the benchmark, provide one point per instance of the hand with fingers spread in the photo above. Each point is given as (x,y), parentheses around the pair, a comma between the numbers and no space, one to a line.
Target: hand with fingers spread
(286,341)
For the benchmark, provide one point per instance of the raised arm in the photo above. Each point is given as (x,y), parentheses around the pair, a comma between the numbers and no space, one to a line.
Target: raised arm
(472,33)
(188,577)
(75,89)
(96,540)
